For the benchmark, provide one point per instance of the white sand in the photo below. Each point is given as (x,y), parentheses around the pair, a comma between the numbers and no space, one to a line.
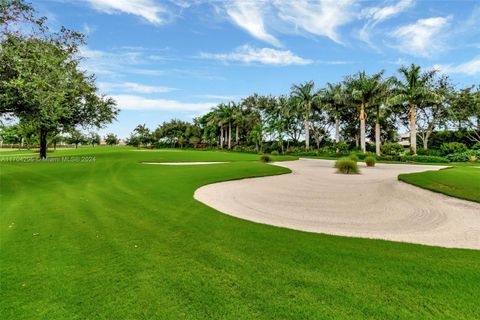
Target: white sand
(182,163)
(372,205)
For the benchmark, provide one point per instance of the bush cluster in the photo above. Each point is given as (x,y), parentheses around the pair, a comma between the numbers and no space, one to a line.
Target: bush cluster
(265,158)
(347,166)
(392,149)
(452,147)
(470,155)
(408,158)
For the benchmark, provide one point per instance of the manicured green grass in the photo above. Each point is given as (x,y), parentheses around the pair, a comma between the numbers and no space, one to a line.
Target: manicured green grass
(116,239)
(461,182)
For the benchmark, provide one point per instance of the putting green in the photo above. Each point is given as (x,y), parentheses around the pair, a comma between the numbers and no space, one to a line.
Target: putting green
(115,239)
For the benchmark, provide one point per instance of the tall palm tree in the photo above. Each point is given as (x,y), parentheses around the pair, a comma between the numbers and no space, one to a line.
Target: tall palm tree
(363,90)
(306,96)
(381,110)
(333,96)
(413,87)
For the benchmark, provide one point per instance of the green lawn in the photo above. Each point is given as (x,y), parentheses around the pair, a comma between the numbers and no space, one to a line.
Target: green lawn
(116,239)
(461,182)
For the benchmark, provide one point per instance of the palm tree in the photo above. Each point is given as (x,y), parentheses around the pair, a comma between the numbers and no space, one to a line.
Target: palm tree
(364,89)
(305,96)
(411,89)
(334,98)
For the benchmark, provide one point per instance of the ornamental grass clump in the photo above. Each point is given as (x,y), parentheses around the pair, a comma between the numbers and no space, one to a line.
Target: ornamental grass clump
(265,158)
(370,161)
(353,157)
(347,166)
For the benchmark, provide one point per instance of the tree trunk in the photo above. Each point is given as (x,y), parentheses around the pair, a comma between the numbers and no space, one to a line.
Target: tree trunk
(43,144)
(377,138)
(55,145)
(425,143)
(413,130)
(337,129)
(307,130)
(236,135)
(229,135)
(221,137)
(362,128)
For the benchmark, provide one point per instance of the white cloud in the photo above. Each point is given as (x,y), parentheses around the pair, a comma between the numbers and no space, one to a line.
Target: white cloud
(147,9)
(248,15)
(422,38)
(134,87)
(375,15)
(321,18)
(469,68)
(109,63)
(133,102)
(379,14)
(248,54)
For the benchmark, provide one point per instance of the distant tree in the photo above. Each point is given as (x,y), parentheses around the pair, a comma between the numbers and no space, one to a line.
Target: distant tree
(465,112)
(305,96)
(111,139)
(94,138)
(76,137)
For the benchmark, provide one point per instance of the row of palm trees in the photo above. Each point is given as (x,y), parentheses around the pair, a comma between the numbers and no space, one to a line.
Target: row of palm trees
(372,94)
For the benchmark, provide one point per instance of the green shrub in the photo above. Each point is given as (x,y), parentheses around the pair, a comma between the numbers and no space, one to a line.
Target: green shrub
(452,147)
(463,156)
(423,159)
(428,152)
(265,158)
(370,161)
(353,157)
(476,146)
(347,166)
(274,153)
(392,149)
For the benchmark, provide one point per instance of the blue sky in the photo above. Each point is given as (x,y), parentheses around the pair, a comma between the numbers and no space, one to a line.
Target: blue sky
(163,59)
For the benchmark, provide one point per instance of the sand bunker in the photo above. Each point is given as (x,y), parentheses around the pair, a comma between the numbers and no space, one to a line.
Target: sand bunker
(371,205)
(182,163)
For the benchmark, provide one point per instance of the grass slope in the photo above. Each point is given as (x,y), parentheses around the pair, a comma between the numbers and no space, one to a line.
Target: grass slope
(116,239)
(461,182)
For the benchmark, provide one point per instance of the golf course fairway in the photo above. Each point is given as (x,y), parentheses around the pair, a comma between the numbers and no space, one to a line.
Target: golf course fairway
(111,238)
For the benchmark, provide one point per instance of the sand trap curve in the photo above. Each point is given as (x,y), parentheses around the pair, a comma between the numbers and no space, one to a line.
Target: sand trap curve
(371,205)
(182,163)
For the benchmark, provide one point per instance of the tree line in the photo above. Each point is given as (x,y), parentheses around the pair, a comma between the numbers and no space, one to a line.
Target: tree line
(362,105)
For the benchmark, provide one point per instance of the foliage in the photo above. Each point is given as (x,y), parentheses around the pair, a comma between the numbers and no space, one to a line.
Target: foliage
(392,149)
(353,157)
(111,139)
(463,156)
(476,146)
(274,153)
(41,83)
(347,166)
(452,147)
(265,158)
(370,161)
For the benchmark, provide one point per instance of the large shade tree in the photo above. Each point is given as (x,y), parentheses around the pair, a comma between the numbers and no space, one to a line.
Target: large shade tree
(41,84)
